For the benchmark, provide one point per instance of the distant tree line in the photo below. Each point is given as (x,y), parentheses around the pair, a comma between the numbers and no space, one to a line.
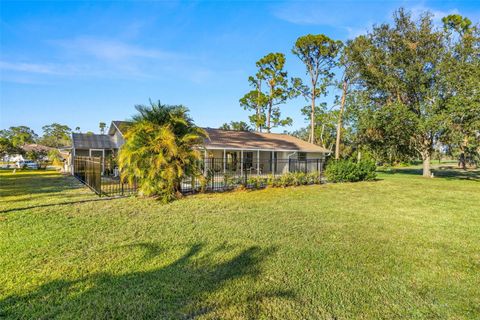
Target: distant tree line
(407,90)
(54,135)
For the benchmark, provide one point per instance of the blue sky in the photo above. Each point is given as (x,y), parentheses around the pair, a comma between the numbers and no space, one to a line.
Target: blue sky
(80,62)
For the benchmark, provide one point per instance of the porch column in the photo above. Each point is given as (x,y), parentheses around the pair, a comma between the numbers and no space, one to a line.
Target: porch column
(273,162)
(90,153)
(205,162)
(224,161)
(103,161)
(241,161)
(258,162)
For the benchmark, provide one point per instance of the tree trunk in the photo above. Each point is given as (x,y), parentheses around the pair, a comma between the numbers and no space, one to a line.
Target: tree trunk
(462,160)
(256,122)
(426,155)
(268,116)
(258,125)
(340,120)
(312,119)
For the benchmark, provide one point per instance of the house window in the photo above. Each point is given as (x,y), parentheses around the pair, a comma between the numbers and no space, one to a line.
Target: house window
(302,156)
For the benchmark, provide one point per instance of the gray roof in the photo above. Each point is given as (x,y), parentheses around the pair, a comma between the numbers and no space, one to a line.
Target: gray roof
(92,141)
(122,126)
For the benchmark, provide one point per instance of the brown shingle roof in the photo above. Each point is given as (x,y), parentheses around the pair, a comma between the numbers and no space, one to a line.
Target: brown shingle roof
(218,139)
(92,141)
(35,147)
(225,139)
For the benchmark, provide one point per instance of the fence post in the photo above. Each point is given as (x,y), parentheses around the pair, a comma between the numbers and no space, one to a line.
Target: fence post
(245,176)
(213,173)
(274,165)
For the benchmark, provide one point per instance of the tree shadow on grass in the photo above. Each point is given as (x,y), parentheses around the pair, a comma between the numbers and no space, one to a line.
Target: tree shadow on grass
(446,172)
(28,184)
(32,190)
(191,286)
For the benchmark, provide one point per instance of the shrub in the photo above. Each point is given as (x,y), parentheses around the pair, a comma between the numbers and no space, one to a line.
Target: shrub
(349,171)
(293,179)
(232,181)
(367,170)
(256,182)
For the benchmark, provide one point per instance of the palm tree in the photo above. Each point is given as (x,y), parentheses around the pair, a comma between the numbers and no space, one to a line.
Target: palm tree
(161,148)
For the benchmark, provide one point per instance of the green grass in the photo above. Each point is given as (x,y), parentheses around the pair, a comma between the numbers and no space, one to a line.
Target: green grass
(401,247)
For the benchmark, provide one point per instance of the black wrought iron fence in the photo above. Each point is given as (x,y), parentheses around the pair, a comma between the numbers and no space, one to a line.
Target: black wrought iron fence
(100,176)
(88,170)
(217,174)
(225,174)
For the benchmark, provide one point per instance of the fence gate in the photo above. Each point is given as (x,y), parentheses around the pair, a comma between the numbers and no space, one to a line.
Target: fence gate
(89,171)
(101,177)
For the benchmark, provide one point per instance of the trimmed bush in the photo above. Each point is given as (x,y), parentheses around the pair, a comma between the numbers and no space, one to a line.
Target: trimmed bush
(256,182)
(349,171)
(293,179)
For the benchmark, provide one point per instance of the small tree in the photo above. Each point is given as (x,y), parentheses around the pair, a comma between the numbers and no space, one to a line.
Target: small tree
(319,54)
(56,135)
(18,136)
(270,90)
(325,121)
(39,156)
(161,148)
(102,126)
(255,100)
(7,148)
(276,78)
(55,157)
(236,126)
(345,82)
(461,68)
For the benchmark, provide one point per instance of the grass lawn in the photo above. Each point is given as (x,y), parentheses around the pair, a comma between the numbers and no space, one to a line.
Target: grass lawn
(401,247)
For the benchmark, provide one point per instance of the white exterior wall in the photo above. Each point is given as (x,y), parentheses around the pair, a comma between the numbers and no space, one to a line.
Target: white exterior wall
(118,139)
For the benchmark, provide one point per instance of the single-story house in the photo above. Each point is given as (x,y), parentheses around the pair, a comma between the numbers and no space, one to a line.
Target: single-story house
(223,149)
(29,147)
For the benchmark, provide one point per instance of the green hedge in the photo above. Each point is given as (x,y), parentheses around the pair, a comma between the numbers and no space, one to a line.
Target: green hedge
(349,171)
(284,180)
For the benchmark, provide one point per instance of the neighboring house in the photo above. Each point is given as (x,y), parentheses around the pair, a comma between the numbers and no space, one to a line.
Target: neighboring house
(261,152)
(33,147)
(27,148)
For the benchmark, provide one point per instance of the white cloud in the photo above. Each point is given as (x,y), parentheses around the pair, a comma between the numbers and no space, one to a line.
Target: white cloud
(52,69)
(87,57)
(111,49)
(309,13)
(350,17)
(29,67)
